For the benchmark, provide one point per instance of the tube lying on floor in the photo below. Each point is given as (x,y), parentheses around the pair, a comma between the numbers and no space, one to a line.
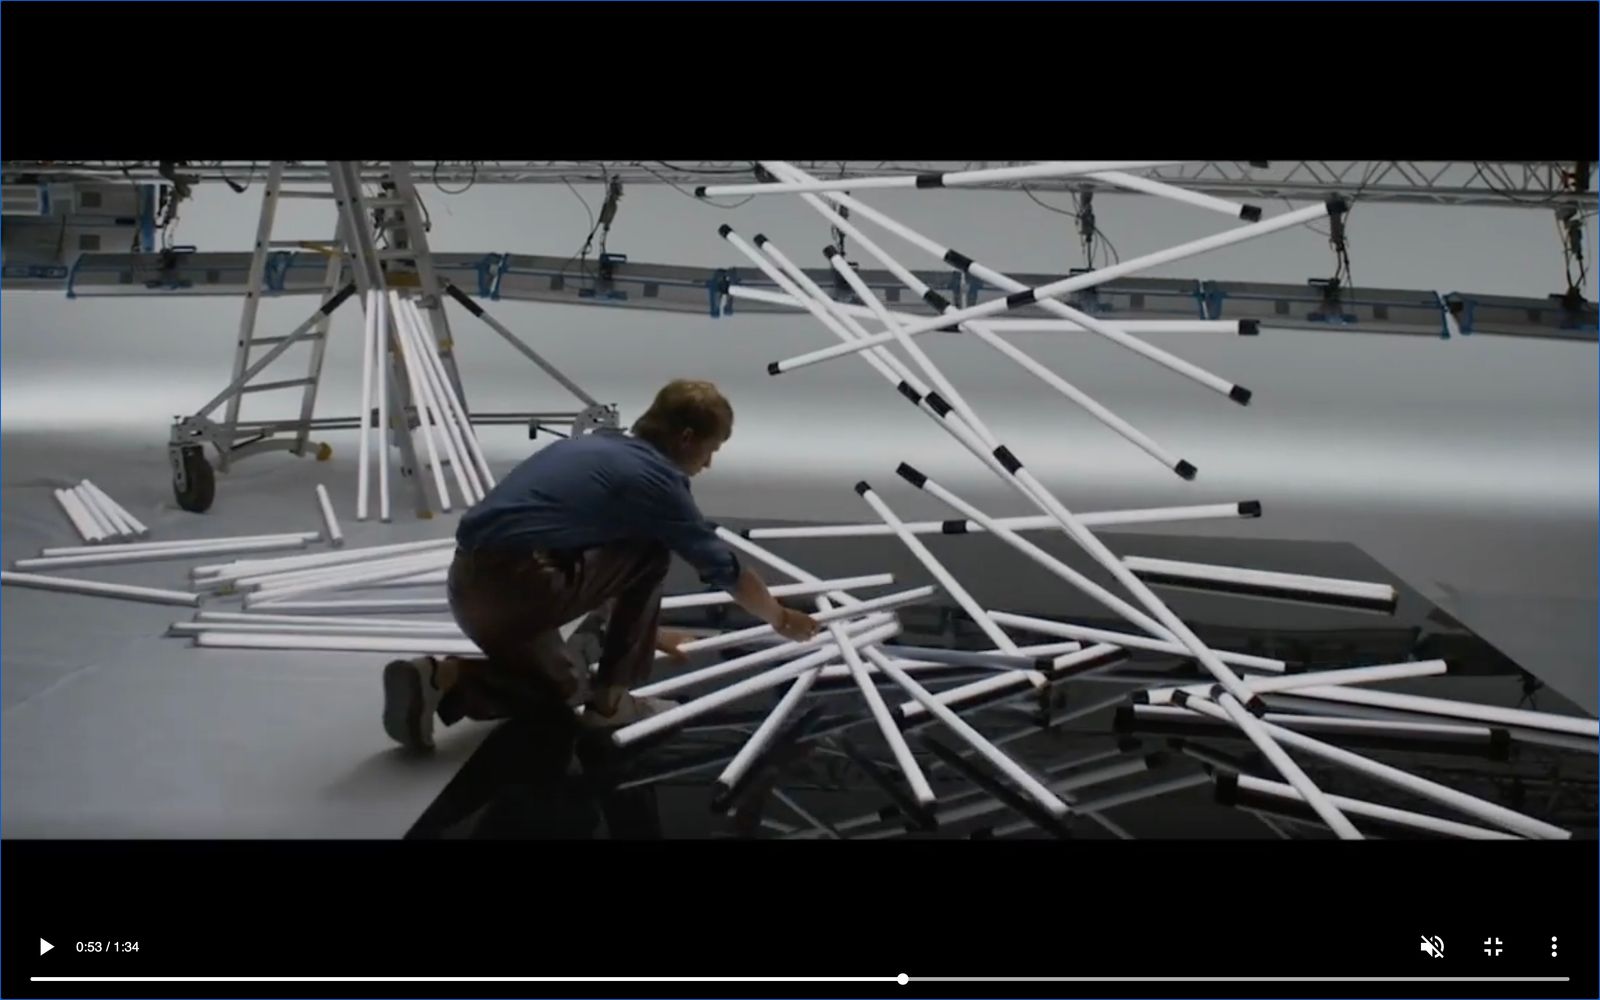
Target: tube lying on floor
(82,523)
(134,524)
(375,606)
(1247,581)
(737,664)
(95,588)
(103,522)
(329,519)
(1356,807)
(108,513)
(1128,640)
(772,678)
(420,644)
(715,597)
(1443,794)
(182,543)
(112,555)
(1031,522)
(1320,678)
(268,567)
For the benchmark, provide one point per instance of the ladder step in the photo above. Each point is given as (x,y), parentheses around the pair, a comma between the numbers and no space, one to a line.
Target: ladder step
(393,254)
(279,340)
(287,384)
(387,203)
(319,195)
(300,244)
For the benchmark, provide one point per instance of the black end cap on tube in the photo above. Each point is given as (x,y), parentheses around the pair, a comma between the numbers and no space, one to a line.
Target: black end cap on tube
(1249,328)
(1256,706)
(937,403)
(761,239)
(722,798)
(744,533)
(462,297)
(700,192)
(862,487)
(338,299)
(830,251)
(888,812)
(1250,213)
(1185,470)
(1215,692)
(1122,722)
(957,260)
(1128,744)
(911,475)
(907,391)
(1227,789)
(773,369)
(1044,664)
(1022,298)
(1337,205)
(1003,455)
(1140,697)
(1239,394)
(955,527)
(1260,164)
(1250,508)
(937,301)
(930,180)
(1499,743)
(1156,759)
(1180,697)
(724,229)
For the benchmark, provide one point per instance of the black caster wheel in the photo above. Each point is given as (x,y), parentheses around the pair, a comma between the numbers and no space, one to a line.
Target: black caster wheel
(200,486)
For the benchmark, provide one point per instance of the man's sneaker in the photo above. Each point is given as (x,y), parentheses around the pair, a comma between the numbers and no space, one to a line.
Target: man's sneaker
(409,702)
(630,710)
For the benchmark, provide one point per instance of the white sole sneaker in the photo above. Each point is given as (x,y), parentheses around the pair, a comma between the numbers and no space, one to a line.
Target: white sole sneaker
(409,702)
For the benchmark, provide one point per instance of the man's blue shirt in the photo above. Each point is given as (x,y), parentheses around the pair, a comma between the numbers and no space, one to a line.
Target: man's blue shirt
(593,490)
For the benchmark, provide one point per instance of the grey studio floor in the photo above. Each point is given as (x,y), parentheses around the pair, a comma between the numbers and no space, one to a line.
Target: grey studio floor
(1467,467)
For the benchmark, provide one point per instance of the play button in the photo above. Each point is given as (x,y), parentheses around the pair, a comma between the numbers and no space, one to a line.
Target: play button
(44,946)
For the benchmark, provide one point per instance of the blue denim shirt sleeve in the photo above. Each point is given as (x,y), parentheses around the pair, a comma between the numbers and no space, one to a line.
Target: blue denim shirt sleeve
(666,511)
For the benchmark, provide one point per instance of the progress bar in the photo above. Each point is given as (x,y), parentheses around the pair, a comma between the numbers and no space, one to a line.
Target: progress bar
(901,979)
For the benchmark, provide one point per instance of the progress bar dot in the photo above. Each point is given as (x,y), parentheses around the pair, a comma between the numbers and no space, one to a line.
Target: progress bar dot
(902,979)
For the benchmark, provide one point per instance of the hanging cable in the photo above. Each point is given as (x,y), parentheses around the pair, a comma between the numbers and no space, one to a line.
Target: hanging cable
(471,178)
(690,194)
(594,225)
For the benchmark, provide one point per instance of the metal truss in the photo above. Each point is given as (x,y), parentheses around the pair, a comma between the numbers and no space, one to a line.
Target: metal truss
(714,291)
(1546,184)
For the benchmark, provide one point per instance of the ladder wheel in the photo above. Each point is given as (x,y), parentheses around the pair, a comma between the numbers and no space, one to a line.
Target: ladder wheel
(201,490)
(324,451)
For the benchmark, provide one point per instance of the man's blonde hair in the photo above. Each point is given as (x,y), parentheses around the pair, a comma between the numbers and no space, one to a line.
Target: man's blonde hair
(685,405)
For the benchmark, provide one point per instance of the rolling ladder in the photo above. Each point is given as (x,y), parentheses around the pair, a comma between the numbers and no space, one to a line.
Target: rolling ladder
(357,266)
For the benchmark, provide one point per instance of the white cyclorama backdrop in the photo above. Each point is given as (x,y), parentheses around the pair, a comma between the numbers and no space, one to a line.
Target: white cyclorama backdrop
(1468,466)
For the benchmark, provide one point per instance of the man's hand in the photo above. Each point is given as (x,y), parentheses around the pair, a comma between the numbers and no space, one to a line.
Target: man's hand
(668,640)
(796,626)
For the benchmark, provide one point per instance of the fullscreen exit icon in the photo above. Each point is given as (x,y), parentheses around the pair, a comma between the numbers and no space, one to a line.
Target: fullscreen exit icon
(1491,947)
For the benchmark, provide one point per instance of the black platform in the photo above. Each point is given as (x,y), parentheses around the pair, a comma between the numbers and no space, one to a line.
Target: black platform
(540,777)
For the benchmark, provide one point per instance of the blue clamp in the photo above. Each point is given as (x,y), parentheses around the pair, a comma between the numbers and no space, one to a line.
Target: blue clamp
(483,267)
(1208,297)
(277,270)
(1452,321)
(717,290)
(147,217)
